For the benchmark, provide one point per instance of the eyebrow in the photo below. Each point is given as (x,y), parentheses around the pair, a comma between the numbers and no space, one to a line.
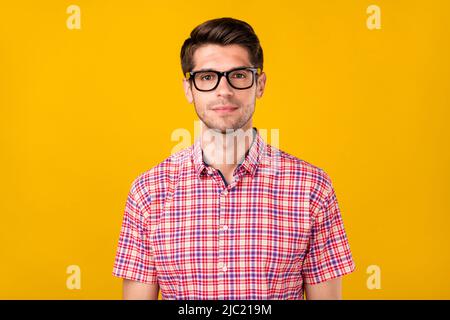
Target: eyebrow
(209,69)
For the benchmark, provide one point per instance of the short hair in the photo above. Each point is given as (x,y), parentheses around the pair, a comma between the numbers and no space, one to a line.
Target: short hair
(222,31)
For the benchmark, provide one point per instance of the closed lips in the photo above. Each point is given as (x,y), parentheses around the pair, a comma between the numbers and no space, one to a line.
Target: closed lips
(225,108)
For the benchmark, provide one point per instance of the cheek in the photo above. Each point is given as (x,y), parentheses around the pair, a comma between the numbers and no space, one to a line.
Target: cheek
(248,99)
(201,102)
(245,98)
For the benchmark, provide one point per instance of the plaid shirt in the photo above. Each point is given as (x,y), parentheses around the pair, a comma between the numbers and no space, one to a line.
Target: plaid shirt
(274,228)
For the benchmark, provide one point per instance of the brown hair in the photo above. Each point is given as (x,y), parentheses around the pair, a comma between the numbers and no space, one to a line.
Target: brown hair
(222,31)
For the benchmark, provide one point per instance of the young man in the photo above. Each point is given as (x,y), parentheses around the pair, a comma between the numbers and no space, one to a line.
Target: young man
(231,217)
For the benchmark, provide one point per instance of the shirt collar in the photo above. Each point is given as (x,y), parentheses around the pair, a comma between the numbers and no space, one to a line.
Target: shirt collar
(249,164)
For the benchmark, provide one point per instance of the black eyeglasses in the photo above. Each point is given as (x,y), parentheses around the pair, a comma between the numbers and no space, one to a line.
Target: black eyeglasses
(239,78)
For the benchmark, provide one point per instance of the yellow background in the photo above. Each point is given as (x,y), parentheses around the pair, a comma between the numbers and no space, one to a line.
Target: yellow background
(83,112)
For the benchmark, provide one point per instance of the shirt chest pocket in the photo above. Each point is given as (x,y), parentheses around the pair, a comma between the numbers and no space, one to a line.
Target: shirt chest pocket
(277,239)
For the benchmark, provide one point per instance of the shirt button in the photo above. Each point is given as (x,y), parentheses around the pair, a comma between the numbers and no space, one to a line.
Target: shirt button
(225,227)
(224,268)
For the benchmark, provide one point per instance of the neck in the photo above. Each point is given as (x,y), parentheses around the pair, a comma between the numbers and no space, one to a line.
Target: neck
(224,151)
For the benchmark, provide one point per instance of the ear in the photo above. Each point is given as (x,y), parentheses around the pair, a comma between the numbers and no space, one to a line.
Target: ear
(187,90)
(260,85)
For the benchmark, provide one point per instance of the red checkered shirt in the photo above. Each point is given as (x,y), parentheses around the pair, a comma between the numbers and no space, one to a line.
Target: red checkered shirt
(275,227)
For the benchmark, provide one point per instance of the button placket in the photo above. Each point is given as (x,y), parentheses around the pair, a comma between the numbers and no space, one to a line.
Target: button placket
(222,221)
(222,267)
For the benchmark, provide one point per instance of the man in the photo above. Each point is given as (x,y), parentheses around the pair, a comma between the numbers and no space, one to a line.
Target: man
(231,217)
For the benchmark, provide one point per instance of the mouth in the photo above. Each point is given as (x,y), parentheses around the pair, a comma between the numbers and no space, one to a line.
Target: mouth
(224,109)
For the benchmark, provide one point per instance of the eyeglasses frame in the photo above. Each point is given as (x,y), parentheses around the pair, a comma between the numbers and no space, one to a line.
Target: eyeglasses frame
(190,75)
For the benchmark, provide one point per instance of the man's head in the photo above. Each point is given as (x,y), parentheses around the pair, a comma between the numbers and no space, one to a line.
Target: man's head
(223,45)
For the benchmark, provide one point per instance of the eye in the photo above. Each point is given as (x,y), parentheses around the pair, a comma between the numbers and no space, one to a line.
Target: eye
(239,75)
(206,76)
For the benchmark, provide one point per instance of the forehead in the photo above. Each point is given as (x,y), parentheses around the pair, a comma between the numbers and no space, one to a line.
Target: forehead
(221,58)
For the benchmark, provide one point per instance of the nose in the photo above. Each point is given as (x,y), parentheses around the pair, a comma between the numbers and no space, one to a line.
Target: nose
(224,88)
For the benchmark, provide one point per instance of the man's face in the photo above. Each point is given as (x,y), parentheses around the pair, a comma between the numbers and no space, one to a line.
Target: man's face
(209,105)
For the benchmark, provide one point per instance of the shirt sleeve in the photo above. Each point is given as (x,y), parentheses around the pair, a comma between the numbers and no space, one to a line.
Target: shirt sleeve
(134,259)
(328,255)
